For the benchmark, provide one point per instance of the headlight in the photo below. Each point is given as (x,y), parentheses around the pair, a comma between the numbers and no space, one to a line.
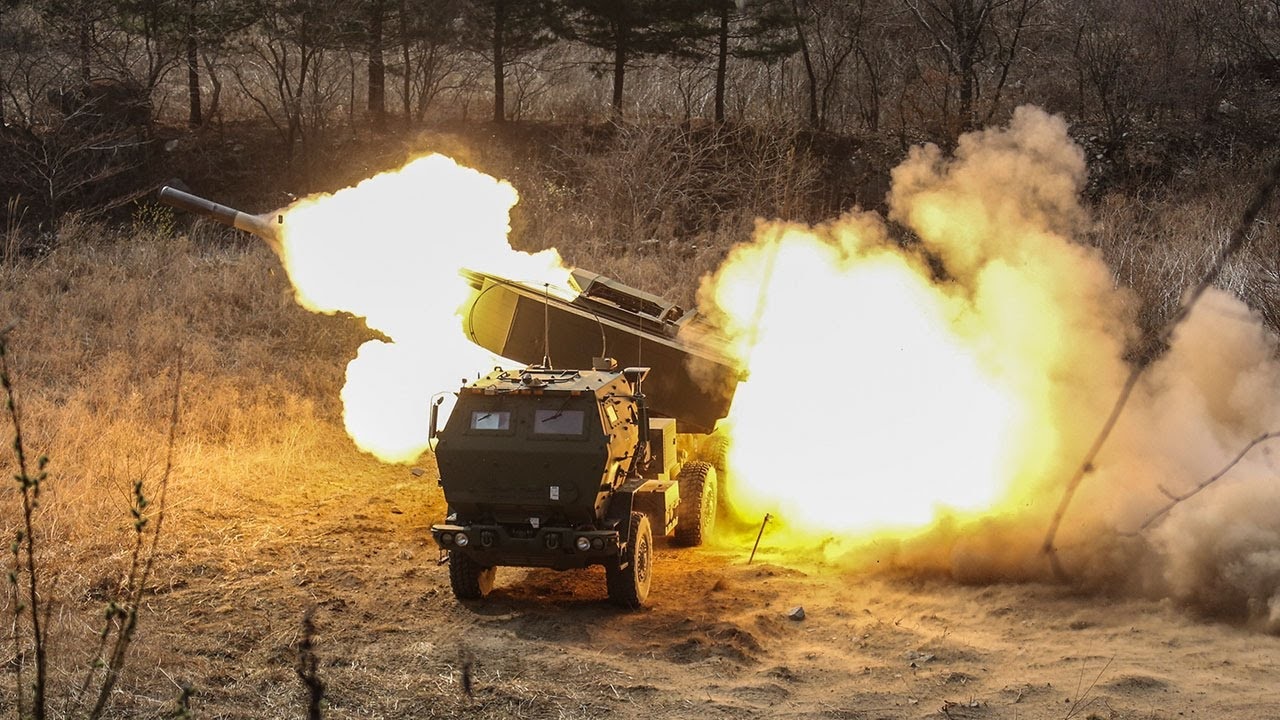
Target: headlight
(583,544)
(461,539)
(446,538)
(597,543)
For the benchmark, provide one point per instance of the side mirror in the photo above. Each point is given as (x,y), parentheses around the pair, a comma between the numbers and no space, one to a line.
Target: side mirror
(433,429)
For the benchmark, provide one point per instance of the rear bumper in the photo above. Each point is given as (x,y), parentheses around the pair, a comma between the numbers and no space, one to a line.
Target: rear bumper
(549,547)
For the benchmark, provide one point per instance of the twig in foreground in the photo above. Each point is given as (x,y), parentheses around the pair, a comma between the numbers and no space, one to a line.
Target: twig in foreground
(1175,499)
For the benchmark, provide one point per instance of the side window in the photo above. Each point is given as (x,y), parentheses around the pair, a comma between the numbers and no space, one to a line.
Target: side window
(498,420)
(558,422)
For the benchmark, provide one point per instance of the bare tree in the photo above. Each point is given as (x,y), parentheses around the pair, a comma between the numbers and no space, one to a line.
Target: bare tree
(1106,54)
(838,44)
(834,44)
(504,31)
(283,73)
(975,40)
(1254,32)
(428,52)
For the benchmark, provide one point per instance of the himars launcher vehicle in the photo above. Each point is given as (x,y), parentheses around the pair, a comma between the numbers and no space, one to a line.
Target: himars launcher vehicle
(565,469)
(569,468)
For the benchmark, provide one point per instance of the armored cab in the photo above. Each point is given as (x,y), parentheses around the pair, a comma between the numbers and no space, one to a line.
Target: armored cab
(538,447)
(563,469)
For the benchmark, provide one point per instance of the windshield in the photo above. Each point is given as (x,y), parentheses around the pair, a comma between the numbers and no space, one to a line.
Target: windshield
(490,420)
(558,422)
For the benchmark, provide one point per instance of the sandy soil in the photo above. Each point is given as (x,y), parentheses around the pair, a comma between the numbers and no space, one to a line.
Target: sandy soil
(351,540)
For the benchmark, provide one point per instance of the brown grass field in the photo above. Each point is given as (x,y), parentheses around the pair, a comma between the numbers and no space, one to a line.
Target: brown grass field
(271,511)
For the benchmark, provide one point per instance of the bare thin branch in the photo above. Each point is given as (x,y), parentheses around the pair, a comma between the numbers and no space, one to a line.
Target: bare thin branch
(1175,499)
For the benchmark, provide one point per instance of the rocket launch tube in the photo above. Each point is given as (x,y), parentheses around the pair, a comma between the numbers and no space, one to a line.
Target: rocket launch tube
(261,225)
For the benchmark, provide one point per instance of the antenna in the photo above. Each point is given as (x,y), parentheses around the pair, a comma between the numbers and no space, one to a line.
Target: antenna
(546,325)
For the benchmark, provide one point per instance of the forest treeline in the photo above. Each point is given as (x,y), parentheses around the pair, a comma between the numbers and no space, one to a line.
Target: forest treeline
(94,93)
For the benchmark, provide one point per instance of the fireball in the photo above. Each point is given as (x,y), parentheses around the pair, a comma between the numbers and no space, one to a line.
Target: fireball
(390,250)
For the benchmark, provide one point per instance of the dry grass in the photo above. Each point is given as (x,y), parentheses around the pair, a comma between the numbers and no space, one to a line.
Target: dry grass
(100,321)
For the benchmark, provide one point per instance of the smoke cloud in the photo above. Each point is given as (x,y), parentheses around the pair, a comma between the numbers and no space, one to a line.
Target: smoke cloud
(969,372)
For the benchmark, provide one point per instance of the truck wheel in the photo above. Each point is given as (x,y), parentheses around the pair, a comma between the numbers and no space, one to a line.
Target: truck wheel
(715,450)
(469,579)
(629,586)
(699,493)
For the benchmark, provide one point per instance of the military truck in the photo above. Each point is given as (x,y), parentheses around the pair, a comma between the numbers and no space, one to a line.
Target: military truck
(564,469)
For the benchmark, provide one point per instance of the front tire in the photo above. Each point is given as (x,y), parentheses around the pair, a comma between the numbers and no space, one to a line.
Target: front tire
(469,579)
(699,498)
(629,586)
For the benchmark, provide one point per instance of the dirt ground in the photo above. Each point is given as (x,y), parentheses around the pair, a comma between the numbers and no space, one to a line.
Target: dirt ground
(350,538)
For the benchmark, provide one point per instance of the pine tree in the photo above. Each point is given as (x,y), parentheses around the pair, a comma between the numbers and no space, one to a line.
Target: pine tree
(631,29)
(503,31)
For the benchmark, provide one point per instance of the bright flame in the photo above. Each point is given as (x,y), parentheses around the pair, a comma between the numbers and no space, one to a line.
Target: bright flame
(891,387)
(930,403)
(865,408)
(390,250)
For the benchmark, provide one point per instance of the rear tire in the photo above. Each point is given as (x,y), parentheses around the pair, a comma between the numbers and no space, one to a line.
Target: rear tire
(715,450)
(699,502)
(469,579)
(629,586)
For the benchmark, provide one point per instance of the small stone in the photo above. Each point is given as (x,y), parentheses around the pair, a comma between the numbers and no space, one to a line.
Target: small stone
(796,613)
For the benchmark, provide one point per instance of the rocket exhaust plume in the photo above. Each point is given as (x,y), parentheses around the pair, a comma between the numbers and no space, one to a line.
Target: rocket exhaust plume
(390,250)
(963,377)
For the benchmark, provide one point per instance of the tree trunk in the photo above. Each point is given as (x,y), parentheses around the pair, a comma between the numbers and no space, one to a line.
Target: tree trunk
(194,118)
(619,72)
(84,42)
(499,61)
(810,73)
(870,103)
(722,60)
(215,97)
(377,68)
(966,94)
(405,59)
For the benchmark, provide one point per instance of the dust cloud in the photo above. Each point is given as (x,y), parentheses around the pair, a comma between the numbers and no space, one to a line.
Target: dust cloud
(966,374)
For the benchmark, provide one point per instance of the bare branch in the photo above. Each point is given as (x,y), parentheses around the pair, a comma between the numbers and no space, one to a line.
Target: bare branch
(1175,499)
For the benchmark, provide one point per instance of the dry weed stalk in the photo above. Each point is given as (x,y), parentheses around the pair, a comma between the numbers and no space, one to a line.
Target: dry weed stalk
(308,665)
(11,243)
(121,616)
(24,549)
(140,564)
(1238,236)
(1083,700)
